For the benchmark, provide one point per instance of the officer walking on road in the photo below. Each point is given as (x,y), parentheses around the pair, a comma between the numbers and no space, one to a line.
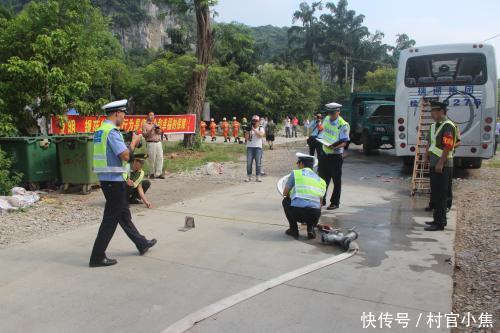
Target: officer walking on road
(442,141)
(336,134)
(303,194)
(110,163)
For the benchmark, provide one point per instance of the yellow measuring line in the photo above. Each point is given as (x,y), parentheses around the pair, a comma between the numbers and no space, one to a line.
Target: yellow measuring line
(225,218)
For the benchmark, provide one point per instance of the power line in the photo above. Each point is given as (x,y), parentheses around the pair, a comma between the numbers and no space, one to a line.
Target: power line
(497,35)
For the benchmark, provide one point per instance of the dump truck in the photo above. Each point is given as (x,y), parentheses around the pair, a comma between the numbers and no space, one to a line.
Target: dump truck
(371,117)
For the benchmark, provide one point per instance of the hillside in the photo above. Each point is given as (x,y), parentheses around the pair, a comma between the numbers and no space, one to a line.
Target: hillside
(152,24)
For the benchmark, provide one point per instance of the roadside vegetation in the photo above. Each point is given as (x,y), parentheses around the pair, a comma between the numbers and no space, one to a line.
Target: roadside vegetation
(178,158)
(61,54)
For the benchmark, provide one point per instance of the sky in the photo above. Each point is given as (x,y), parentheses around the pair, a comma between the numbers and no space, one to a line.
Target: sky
(426,21)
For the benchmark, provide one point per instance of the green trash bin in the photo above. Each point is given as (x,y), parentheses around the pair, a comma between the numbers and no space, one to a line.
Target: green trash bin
(75,161)
(34,157)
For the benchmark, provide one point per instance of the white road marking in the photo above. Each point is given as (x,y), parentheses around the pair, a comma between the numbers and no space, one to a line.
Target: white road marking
(192,319)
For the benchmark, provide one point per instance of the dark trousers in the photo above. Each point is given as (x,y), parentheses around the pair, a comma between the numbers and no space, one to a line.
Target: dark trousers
(294,215)
(449,201)
(133,193)
(314,146)
(330,168)
(439,193)
(116,211)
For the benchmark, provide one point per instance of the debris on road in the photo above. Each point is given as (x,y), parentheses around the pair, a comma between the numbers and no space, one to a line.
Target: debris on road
(20,198)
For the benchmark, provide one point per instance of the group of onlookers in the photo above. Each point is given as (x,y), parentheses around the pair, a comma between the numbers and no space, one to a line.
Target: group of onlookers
(291,125)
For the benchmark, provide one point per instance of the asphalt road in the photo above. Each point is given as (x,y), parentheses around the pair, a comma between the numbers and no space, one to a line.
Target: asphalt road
(238,243)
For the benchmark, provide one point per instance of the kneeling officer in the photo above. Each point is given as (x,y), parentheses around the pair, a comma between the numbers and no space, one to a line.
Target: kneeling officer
(303,194)
(110,163)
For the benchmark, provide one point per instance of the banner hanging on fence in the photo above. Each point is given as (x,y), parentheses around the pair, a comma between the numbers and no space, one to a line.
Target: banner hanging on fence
(179,124)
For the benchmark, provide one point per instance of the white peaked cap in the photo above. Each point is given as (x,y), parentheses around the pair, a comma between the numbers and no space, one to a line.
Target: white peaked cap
(301,155)
(116,105)
(333,105)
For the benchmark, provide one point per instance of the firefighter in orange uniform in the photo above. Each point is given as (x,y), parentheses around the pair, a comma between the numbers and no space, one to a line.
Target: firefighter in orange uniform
(203,130)
(225,129)
(236,130)
(213,129)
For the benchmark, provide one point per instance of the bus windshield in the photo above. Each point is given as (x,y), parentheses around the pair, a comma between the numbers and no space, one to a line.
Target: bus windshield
(446,69)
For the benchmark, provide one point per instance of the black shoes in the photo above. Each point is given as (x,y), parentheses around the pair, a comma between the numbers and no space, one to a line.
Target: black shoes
(103,263)
(431,223)
(434,227)
(134,202)
(161,177)
(332,207)
(110,262)
(149,245)
(295,235)
(311,234)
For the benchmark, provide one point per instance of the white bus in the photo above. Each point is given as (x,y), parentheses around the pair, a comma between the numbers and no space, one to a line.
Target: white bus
(464,75)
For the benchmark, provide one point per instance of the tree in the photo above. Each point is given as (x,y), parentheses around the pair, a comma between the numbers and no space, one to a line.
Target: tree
(161,86)
(403,41)
(54,55)
(309,34)
(382,79)
(234,43)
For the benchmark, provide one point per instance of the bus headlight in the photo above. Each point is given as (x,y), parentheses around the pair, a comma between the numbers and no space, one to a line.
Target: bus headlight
(486,137)
(402,136)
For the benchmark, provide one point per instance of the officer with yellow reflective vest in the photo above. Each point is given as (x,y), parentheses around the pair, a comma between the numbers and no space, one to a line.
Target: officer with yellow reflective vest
(334,138)
(303,194)
(442,141)
(110,163)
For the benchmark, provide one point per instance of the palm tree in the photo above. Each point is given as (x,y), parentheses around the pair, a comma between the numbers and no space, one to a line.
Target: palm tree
(307,37)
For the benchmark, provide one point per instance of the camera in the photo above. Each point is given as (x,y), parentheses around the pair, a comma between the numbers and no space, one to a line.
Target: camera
(127,137)
(246,127)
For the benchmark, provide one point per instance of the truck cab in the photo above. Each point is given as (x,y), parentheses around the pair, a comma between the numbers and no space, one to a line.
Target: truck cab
(371,118)
(376,125)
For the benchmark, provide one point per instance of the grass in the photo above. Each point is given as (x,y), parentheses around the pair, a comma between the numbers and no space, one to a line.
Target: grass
(178,158)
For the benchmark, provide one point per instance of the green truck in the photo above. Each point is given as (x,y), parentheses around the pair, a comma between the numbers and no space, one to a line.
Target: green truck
(371,117)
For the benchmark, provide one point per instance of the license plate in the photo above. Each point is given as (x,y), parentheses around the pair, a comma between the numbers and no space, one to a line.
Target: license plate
(385,138)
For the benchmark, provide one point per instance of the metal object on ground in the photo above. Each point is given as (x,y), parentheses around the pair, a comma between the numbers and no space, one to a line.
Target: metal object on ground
(188,224)
(338,237)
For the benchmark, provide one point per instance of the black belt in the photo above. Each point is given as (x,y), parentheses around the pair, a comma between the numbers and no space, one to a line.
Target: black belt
(152,141)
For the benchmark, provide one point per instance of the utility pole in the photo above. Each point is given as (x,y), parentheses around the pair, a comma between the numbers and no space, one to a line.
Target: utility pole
(352,81)
(346,69)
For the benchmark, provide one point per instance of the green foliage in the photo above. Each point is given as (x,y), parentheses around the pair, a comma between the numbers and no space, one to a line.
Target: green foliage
(161,86)
(234,43)
(56,54)
(7,179)
(380,80)
(7,125)
(270,42)
(273,91)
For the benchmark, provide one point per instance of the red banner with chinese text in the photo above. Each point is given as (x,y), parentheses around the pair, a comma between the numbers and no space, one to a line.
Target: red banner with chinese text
(169,124)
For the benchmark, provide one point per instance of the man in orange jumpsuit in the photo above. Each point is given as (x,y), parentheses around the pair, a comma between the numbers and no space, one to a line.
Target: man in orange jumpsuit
(203,130)
(225,129)
(236,130)
(213,129)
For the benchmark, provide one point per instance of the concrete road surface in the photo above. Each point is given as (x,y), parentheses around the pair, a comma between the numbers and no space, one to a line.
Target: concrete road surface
(239,242)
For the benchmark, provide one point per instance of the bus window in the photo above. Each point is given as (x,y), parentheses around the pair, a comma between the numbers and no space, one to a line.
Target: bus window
(446,69)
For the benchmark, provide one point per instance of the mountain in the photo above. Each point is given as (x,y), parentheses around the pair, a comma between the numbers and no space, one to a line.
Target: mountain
(271,40)
(136,23)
